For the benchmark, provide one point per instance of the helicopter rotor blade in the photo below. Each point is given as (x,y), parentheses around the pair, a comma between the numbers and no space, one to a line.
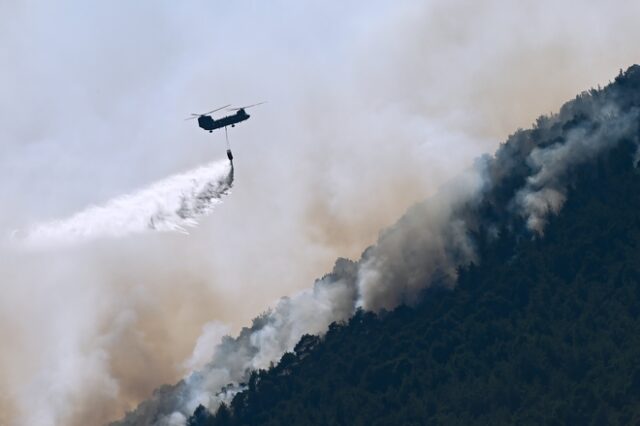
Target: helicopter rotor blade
(194,115)
(215,110)
(247,106)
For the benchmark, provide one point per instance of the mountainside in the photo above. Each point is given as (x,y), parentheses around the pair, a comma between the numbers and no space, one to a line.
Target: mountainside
(537,322)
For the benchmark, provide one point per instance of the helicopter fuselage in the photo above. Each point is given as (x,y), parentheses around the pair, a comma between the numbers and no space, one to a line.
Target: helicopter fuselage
(209,123)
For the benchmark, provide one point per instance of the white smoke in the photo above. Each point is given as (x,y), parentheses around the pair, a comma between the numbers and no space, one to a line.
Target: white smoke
(430,241)
(308,312)
(545,190)
(332,298)
(212,334)
(173,204)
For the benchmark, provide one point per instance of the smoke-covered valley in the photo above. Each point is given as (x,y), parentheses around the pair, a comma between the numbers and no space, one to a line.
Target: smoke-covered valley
(362,122)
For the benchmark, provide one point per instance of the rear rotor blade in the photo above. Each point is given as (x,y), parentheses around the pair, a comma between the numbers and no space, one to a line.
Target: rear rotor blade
(193,115)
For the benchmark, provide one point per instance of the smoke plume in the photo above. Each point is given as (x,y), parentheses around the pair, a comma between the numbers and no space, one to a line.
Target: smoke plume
(545,191)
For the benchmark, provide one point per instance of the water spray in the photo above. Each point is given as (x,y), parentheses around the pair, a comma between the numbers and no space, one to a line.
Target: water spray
(172,204)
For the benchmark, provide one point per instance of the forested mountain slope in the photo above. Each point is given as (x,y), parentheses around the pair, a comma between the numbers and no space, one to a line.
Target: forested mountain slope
(543,327)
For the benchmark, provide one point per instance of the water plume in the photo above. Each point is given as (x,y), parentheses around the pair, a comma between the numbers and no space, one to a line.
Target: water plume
(172,204)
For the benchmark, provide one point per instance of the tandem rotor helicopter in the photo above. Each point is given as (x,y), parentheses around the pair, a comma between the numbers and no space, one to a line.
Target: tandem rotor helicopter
(206,122)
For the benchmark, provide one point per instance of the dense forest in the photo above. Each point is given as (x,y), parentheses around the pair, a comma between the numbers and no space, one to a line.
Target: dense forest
(547,334)
(542,329)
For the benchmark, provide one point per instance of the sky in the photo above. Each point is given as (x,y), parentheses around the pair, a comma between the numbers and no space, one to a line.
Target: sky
(371,106)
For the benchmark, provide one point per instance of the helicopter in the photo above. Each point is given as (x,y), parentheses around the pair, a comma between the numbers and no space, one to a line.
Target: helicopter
(208,123)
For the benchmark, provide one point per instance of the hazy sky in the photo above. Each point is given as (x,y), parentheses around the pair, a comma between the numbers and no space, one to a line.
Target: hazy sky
(371,106)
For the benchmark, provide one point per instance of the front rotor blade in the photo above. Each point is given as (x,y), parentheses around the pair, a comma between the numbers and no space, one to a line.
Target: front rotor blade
(217,109)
